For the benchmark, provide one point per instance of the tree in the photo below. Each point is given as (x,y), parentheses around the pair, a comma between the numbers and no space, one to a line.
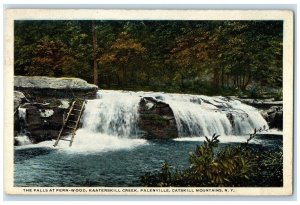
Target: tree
(121,53)
(204,57)
(95,53)
(48,58)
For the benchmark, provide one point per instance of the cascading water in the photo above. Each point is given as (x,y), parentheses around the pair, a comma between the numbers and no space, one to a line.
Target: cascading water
(22,138)
(198,115)
(113,113)
(194,117)
(116,113)
(110,121)
(108,151)
(22,113)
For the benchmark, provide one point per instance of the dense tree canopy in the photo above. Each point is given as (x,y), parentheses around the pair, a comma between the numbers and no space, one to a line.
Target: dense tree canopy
(205,57)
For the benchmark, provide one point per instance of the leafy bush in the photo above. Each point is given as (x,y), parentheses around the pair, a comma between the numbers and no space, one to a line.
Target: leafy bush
(278,94)
(237,166)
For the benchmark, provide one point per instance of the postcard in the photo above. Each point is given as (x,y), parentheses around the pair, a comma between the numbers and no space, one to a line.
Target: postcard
(148,102)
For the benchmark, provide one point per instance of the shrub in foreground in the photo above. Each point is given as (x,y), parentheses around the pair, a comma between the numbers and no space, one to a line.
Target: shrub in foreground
(231,166)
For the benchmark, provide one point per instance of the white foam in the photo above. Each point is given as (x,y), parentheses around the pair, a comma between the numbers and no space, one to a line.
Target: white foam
(86,142)
(23,140)
(22,113)
(223,139)
(64,104)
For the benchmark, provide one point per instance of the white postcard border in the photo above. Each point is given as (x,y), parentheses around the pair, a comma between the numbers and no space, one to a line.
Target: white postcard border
(89,14)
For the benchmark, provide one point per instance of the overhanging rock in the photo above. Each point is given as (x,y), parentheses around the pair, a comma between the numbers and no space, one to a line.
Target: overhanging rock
(45,87)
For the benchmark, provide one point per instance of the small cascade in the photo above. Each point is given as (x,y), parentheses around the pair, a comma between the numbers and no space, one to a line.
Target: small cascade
(22,138)
(22,113)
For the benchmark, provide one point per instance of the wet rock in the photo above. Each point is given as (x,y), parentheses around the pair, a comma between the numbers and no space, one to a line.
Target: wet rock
(270,109)
(19,98)
(156,119)
(42,122)
(258,103)
(274,117)
(49,100)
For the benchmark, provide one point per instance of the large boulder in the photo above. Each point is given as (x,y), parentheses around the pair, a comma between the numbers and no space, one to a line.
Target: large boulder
(274,117)
(40,121)
(44,87)
(19,98)
(156,119)
(41,102)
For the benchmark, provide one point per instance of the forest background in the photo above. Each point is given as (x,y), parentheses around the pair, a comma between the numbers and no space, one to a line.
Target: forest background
(241,58)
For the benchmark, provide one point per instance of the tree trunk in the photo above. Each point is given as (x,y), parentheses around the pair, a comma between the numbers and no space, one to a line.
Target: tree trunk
(247,82)
(95,53)
(108,80)
(124,73)
(216,77)
(222,76)
(227,80)
(118,79)
(182,83)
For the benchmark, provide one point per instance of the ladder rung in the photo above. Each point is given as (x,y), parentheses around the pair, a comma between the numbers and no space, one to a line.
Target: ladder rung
(78,106)
(67,132)
(70,127)
(65,140)
(72,121)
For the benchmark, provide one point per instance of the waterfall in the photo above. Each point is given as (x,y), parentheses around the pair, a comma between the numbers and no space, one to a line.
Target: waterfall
(22,138)
(22,113)
(109,123)
(115,113)
(194,117)
(198,115)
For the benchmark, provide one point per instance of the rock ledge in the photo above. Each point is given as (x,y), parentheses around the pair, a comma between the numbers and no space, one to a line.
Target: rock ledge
(41,86)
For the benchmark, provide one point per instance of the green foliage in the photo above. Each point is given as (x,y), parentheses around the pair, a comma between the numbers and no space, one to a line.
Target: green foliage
(206,57)
(238,166)
(278,94)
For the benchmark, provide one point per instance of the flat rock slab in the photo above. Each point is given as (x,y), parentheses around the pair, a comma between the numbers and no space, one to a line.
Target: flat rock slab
(42,82)
(38,88)
(258,103)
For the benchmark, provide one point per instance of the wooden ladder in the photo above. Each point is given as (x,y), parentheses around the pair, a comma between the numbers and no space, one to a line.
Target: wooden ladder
(71,122)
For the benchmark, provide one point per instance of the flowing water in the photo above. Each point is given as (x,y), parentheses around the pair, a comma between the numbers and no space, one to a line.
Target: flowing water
(108,150)
(22,139)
